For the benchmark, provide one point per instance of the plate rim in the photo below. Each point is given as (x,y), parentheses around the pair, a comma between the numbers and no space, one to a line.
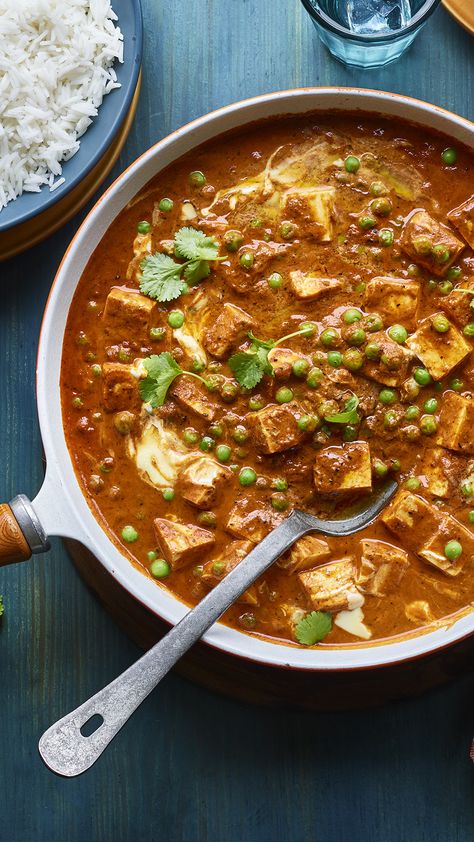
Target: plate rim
(451,7)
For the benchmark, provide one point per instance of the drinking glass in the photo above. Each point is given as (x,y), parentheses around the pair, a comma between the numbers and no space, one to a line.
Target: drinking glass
(368,33)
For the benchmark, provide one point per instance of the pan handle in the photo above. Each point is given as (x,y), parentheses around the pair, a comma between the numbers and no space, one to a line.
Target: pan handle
(21,533)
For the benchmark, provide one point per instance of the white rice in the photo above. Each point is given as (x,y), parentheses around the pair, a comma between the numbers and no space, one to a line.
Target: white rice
(56,65)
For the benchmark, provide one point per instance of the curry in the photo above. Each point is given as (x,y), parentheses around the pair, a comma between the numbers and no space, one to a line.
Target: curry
(283,318)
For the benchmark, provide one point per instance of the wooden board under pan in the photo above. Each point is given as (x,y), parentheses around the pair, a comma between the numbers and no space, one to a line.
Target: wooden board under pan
(259,684)
(21,237)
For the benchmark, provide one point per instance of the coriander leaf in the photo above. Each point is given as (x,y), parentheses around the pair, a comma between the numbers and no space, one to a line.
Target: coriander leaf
(161,277)
(162,370)
(196,271)
(261,343)
(262,356)
(191,244)
(248,369)
(313,627)
(349,416)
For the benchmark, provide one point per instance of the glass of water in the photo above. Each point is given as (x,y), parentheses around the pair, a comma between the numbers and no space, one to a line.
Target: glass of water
(368,33)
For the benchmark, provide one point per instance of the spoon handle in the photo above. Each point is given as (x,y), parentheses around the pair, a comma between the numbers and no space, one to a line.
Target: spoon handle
(66,749)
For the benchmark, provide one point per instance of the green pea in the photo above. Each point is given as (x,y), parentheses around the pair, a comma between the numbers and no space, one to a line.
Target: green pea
(190,436)
(300,368)
(412,412)
(395,464)
(129,534)
(372,350)
(335,359)
(454,273)
(445,287)
(351,164)
(411,389)
(428,425)
(453,550)
(307,328)
(124,355)
(207,519)
(223,453)
(390,419)
(467,488)
(198,366)
(381,207)
(240,434)
(82,338)
(423,245)
(398,333)
(159,568)
(377,188)
(388,396)
(280,484)
(440,323)
(207,443)
(288,230)
(275,281)
(449,156)
(412,483)
(248,620)
(216,430)
(307,423)
(256,402)
(284,395)
(456,385)
(360,288)
(218,568)
(356,336)
(176,319)
(329,337)
(469,330)
(143,227)
(386,237)
(413,270)
(168,494)
(352,359)
(438,387)
(229,391)
(422,376)
(366,222)
(430,406)
(349,433)
(380,468)
(151,555)
(77,402)
(247,476)
(279,502)
(373,322)
(233,240)
(157,334)
(470,516)
(441,254)
(351,315)
(246,259)
(166,205)
(197,179)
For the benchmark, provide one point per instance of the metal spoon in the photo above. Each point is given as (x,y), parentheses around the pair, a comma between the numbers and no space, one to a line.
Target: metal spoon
(68,752)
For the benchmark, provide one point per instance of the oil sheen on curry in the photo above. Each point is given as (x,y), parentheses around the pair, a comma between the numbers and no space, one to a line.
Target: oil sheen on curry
(282,319)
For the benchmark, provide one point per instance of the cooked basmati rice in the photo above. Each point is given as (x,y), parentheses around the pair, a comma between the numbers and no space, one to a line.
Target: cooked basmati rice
(56,65)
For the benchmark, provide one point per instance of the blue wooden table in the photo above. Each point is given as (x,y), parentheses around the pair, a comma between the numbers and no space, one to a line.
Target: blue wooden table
(192,766)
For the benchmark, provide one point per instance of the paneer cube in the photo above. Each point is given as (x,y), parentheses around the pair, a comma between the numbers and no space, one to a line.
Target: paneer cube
(458,304)
(412,520)
(182,544)
(275,427)
(456,423)
(396,300)
(192,397)
(141,248)
(433,551)
(119,387)
(382,567)
(439,352)
(202,480)
(343,468)
(308,287)
(282,361)
(430,243)
(128,313)
(391,368)
(230,326)
(215,569)
(250,523)
(332,587)
(434,467)
(313,204)
(308,552)
(462,218)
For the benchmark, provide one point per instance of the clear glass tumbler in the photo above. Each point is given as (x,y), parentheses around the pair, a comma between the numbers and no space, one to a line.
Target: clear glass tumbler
(368,33)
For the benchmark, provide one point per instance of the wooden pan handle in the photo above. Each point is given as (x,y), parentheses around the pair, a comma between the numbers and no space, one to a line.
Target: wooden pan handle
(13,544)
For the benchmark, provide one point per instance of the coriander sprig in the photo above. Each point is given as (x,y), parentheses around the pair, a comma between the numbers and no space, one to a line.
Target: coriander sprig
(350,414)
(250,366)
(162,371)
(164,279)
(313,627)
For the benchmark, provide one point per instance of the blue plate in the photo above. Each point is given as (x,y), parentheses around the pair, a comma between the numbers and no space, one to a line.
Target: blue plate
(99,135)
